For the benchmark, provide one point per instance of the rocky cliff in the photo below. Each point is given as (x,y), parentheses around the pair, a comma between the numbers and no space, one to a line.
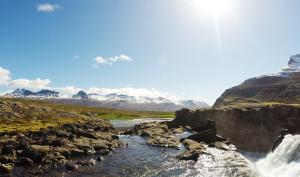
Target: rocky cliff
(283,87)
(252,127)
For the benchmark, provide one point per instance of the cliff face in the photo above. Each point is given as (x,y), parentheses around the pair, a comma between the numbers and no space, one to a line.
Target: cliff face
(263,89)
(251,128)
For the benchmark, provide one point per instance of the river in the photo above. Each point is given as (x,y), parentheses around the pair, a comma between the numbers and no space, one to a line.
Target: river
(139,159)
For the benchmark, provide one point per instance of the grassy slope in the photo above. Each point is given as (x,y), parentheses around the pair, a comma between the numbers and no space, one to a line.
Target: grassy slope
(262,104)
(96,112)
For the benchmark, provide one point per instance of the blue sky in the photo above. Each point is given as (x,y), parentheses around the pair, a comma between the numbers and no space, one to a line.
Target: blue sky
(167,45)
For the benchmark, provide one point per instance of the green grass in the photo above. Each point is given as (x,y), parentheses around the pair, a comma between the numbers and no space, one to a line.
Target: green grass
(103,113)
(262,104)
(35,125)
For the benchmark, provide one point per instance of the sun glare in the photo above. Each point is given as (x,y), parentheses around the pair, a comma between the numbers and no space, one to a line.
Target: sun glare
(213,7)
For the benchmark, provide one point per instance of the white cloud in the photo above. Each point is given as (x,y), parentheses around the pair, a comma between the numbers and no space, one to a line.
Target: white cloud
(68,91)
(110,60)
(5,80)
(76,56)
(4,76)
(47,7)
(136,92)
(33,84)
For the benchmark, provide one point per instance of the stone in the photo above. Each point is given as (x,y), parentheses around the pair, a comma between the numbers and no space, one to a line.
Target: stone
(24,161)
(192,145)
(207,136)
(6,159)
(6,168)
(8,150)
(99,159)
(71,166)
(90,162)
(189,155)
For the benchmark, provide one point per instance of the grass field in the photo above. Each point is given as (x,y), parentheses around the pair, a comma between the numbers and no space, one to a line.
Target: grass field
(103,113)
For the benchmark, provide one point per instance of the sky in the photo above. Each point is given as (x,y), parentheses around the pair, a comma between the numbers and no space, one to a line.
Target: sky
(184,48)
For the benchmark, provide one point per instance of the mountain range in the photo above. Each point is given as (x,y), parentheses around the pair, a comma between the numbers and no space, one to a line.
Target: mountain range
(113,100)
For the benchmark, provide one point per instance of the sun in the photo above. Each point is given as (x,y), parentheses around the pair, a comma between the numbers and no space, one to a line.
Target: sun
(213,7)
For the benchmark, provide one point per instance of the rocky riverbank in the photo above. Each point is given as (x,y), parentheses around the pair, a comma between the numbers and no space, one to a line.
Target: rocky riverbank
(52,147)
(40,138)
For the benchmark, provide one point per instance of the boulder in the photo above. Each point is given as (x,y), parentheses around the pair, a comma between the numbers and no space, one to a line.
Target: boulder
(206,136)
(6,168)
(71,166)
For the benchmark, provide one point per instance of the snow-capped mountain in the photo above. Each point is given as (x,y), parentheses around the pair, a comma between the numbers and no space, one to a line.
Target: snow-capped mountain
(293,66)
(81,95)
(113,100)
(27,93)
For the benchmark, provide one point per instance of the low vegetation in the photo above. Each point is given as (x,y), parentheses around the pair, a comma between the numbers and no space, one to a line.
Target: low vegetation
(262,104)
(30,115)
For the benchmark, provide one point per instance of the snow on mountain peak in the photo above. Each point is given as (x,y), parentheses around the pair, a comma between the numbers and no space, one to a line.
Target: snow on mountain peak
(293,66)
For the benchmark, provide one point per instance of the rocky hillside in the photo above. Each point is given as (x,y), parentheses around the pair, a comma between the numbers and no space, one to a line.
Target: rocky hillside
(283,87)
(16,116)
(42,138)
(251,127)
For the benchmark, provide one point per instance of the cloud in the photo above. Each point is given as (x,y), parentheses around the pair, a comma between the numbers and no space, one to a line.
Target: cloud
(47,7)
(34,84)
(4,76)
(69,91)
(76,56)
(136,92)
(5,80)
(110,60)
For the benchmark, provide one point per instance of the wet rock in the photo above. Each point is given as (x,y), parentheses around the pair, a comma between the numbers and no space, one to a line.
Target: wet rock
(90,162)
(103,151)
(54,159)
(8,150)
(99,159)
(23,161)
(189,155)
(6,159)
(64,151)
(224,146)
(6,168)
(158,134)
(71,166)
(192,145)
(178,130)
(207,136)
(37,152)
(163,140)
(194,150)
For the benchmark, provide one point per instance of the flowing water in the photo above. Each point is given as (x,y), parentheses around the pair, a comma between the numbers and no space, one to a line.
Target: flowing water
(139,159)
(283,162)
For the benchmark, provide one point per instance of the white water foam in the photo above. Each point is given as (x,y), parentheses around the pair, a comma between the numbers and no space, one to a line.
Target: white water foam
(283,162)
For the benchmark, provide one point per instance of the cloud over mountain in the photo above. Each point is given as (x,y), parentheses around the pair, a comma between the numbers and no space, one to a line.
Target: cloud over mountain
(5,80)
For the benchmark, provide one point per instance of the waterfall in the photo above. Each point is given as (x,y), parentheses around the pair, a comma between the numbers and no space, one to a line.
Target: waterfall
(283,162)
